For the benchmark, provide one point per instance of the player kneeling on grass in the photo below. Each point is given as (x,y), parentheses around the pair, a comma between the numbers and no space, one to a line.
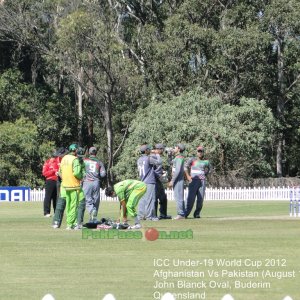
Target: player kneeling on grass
(129,193)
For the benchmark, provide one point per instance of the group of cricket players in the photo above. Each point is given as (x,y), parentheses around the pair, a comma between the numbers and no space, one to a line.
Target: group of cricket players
(79,177)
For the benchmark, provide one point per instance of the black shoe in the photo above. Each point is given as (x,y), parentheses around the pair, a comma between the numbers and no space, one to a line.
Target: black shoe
(197,217)
(162,217)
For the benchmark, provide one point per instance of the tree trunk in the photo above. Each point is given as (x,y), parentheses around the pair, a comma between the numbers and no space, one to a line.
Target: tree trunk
(79,103)
(279,156)
(90,101)
(106,111)
(34,67)
(280,108)
(90,131)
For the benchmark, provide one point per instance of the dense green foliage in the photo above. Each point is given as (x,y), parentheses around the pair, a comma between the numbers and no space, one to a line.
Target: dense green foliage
(117,73)
(21,153)
(237,138)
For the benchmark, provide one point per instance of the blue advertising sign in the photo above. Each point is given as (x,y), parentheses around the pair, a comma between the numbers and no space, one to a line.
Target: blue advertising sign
(14,193)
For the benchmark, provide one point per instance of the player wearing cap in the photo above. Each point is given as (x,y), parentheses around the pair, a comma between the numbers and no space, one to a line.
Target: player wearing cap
(146,165)
(61,202)
(129,193)
(196,170)
(71,172)
(94,171)
(160,193)
(177,181)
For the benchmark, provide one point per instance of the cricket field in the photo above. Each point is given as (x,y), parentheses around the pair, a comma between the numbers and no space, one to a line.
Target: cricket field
(248,249)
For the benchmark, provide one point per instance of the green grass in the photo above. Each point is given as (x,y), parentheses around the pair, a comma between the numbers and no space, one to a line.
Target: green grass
(36,259)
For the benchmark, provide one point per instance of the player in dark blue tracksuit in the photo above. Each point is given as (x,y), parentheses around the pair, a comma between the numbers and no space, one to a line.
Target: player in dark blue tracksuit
(160,192)
(146,170)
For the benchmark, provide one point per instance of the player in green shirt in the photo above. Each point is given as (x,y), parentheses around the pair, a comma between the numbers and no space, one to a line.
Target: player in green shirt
(61,201)
(60,208)
(71,171)
(129,193)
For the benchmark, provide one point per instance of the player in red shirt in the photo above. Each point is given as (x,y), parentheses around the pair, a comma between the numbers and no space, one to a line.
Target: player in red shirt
(50,169)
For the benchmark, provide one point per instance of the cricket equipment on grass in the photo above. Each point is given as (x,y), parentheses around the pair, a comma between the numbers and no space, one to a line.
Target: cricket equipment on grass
(106,223)
(91,225)
(120,226)
(103,226)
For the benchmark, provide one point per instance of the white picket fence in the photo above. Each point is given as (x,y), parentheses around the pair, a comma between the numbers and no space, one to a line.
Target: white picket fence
(261,193)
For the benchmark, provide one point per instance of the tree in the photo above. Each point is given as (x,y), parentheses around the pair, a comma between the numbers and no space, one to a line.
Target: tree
(281,19)
(21,154)
(238,138)
(46,109)
(95,59)
(87,67)
(232,49)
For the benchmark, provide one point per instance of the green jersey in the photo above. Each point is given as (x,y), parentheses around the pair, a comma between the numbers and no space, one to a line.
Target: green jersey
(124,188)
(198,167)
